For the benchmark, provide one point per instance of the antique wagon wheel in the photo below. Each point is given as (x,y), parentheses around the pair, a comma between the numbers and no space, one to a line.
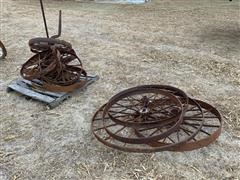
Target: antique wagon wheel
(208,133)
(3,51)
(210,130)
(38,65)
(126,121)
(99,131)
(55,64)
(186,131)
(143,106)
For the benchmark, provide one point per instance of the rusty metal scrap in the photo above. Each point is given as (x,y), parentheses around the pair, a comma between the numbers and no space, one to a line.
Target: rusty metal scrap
(153,118)
(55,63)
(3,51)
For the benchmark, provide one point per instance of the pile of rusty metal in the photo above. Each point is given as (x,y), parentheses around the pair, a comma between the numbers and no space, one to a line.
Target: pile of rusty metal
(55,64)
(153,118)
(3,51)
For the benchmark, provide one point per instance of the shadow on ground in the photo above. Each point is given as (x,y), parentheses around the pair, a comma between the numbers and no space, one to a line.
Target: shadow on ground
(225,40)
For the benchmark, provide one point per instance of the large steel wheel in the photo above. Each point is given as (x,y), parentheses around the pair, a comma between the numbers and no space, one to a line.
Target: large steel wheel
(153,118)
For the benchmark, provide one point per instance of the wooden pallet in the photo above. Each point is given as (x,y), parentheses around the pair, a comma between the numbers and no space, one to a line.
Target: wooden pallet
(52,99)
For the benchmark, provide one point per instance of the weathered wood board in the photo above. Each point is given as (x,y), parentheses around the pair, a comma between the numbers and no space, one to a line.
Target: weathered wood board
(52,99)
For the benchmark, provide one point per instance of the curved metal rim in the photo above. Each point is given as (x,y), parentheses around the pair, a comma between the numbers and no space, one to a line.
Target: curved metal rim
(51,65)
(168,88)
(114,146)
(189,146)
(40,44)
(165,146)
(177,120)
(178,144)
(184,145)
(133,91)
(126,149)
(4,51)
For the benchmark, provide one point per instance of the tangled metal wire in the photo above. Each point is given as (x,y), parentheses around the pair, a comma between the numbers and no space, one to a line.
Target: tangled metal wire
(153,118)
(3,51)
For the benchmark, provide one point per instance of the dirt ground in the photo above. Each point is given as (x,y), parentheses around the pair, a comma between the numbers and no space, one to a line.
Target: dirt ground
(193,45)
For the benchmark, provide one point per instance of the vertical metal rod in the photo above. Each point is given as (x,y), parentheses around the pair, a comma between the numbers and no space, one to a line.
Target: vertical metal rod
(59,26)
(44,18)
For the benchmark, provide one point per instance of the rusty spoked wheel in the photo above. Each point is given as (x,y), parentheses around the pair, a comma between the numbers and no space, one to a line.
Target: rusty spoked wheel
(55,65)
(3,51)
(186,131)
(207,131)
(143,106)
(183,134)
(149,119)
(99,131)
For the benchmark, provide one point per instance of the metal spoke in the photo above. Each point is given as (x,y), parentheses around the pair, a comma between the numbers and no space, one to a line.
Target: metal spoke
(159,123)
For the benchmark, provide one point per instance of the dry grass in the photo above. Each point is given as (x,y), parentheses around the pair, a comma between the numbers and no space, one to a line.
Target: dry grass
(193,45)
(218,68)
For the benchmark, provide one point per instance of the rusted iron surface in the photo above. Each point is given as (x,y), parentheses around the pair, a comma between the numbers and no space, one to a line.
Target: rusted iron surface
(55,63)
(155,118)
(3,51)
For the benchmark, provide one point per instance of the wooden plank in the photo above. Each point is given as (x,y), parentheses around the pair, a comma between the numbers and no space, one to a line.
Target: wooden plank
(22,84)
(52,99)
(14,86)
(93,79)
(57,101)
(59,94)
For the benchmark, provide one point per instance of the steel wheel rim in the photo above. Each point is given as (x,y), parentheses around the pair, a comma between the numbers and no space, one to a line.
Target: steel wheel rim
(199,123)
(209,132)
(3,51)
(106,140)
(185,132)
(137,91)
(212,117)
